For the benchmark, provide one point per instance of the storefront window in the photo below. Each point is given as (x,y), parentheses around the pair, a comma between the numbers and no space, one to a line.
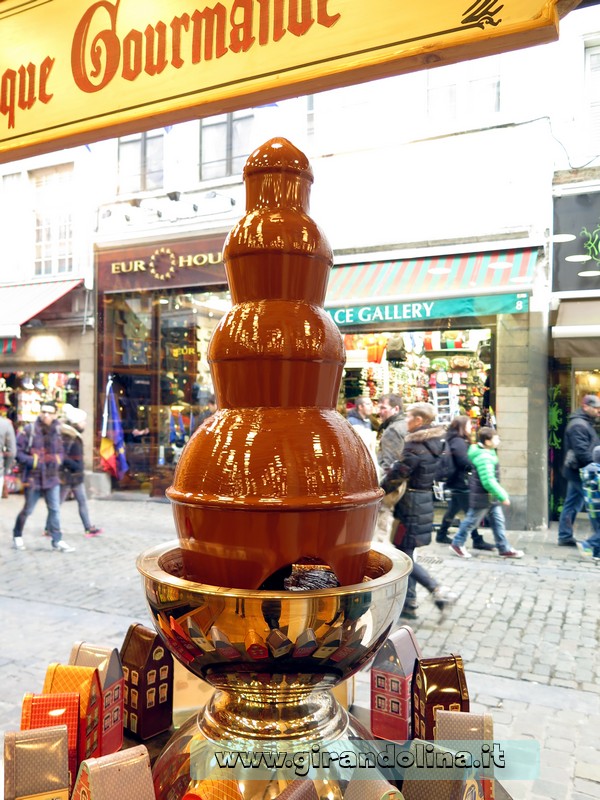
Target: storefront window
(452,369)
(155,352)
(22,393)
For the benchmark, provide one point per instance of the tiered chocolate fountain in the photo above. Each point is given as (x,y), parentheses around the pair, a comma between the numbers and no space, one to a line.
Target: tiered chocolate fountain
(274,494)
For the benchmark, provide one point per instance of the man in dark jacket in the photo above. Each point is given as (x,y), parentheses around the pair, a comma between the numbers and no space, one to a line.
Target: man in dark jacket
(392,430)
(580,441)
(414,512)
(40,452)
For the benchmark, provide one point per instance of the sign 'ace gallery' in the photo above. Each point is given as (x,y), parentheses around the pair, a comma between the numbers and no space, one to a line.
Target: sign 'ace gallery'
(72,72)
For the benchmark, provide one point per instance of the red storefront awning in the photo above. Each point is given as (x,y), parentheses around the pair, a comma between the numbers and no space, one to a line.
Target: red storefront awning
(21,302)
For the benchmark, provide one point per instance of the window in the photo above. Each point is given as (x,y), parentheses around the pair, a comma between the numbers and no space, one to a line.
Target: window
(141,162)
(224,144)
(592,71)
(53,203)
(464,92)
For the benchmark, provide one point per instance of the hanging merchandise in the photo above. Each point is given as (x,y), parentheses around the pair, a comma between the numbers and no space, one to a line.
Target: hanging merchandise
(441,367)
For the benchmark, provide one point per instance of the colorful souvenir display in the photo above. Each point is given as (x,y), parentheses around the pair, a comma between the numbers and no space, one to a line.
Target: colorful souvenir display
(391,680)
(110,671)
(148,672)
(85,681)
(36,764)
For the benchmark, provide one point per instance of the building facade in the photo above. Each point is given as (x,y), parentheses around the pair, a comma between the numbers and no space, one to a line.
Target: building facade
(435,190)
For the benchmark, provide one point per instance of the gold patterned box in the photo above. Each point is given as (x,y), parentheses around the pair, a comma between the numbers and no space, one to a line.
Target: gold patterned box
(36,764)
(460,726)
(117,775)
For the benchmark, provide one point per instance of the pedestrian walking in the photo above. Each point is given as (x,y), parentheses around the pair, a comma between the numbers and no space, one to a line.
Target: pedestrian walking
(40,453)
(8,449)
(392,430)
(590,482)
(414,512)
(391,434)
(71,471)
(458,440)
(579,443)
(486,497)
(360,415)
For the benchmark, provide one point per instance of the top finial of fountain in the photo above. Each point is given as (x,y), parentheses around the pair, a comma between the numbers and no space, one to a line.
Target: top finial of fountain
(278,154)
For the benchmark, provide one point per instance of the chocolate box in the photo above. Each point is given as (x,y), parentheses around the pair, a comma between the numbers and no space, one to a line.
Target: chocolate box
(110,671)
(148,672)
(86,682)
(124,774)
(438,683)
(36,763)
(457,726)
(391,681)
(49,710)
(420,784)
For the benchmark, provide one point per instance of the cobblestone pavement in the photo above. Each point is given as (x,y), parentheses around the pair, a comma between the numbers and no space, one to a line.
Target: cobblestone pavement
(528,630)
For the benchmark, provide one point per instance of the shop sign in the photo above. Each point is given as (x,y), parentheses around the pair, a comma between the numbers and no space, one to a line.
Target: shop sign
(197,262)
(73,72)
(576,262)
(417,312)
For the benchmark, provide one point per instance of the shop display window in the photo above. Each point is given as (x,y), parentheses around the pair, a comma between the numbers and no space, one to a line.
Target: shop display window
(155,352)
(450,368)
(22,393)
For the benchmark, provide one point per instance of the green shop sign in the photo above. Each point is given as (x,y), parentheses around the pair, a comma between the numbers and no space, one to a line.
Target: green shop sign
(422,310)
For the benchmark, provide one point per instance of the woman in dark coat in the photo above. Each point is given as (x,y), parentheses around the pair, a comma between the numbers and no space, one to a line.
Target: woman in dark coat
(458,439)
(414,512)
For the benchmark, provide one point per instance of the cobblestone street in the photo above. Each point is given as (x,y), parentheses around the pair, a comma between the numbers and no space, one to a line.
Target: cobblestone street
(528,630)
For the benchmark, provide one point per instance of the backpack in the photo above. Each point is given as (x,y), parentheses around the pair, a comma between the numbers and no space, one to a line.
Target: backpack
(445,467)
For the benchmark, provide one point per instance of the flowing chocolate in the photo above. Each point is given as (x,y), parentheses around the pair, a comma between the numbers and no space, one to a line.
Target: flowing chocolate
(277,474)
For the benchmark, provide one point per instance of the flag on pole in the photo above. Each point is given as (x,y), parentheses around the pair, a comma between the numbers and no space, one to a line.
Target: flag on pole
(112,444)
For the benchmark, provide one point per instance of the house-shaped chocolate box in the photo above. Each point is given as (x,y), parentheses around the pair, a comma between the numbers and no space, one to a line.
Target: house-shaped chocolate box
(108,663)
(148,671)
(438,684)
(86,682)
(391,680)
(117,775)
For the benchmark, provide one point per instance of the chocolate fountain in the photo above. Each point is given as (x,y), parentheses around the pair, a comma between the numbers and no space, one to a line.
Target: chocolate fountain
(275,490)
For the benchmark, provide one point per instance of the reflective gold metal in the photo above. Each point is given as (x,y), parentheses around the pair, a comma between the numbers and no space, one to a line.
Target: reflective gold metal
(275,696)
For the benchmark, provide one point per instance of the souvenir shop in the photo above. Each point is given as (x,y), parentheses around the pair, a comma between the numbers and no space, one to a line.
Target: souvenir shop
(158,305)
(426,327)
(575,324)
(42,357)
(452,369)
(463,331)
(22,393)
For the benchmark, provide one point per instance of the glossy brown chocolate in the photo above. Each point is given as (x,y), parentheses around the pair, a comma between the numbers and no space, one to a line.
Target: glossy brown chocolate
(277,474)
